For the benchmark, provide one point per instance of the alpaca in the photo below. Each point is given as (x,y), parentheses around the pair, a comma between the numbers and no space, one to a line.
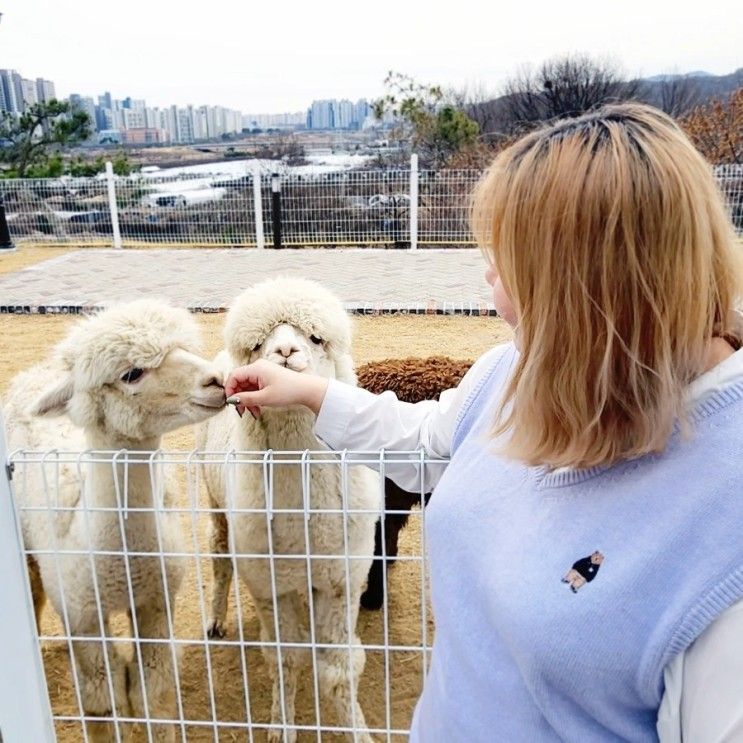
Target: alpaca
(123,378)
(299,324)
(412,380)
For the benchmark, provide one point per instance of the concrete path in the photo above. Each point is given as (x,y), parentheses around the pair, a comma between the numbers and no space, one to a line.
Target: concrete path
(206,280)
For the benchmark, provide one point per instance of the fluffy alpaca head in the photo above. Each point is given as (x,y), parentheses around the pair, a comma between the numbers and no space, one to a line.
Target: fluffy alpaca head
(293,322)
(133,372)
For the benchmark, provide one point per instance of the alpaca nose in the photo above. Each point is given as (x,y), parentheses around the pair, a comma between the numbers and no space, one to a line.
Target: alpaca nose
(212,380)
(287,349)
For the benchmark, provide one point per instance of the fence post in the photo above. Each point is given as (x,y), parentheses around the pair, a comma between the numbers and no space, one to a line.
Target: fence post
(25,713)
(6,243)
(276,209)
(260,238)
(413,202)
(113,207)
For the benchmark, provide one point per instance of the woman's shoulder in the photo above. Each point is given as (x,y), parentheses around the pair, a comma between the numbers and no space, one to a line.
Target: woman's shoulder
(477,383)
(488,361)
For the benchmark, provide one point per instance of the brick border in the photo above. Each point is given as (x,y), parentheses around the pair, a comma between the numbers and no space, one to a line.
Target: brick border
(470,309)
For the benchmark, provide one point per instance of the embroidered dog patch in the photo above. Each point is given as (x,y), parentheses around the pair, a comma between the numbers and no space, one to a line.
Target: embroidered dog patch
(583,571)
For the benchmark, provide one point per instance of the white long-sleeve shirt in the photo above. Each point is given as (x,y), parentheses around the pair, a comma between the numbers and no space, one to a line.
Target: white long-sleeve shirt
(703,698)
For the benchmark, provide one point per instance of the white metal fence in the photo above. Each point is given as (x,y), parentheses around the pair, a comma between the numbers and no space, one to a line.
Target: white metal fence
(201,680)
(384,208)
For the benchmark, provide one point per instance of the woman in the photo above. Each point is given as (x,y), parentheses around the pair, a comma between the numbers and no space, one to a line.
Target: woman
(600,450)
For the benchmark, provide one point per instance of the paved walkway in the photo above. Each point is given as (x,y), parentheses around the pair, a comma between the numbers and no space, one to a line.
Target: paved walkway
(206,280)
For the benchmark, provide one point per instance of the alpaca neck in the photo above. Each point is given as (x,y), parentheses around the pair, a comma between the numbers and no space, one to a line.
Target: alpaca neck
(134,472)
(288,429)
(101,440)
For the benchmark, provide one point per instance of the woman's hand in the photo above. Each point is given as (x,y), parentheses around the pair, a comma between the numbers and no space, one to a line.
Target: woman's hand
(264,383)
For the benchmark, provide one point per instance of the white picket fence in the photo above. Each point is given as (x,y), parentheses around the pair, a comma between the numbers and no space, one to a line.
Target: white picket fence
(407,208)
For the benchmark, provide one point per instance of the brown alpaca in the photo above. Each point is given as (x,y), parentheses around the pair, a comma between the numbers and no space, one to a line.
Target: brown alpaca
(412,380)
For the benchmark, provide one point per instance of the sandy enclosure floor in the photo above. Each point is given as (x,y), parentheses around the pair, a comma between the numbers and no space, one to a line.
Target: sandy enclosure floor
(408,622)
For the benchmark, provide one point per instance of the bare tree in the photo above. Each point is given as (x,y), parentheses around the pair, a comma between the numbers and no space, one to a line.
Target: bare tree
(678,95)
(675,94)
(563,87)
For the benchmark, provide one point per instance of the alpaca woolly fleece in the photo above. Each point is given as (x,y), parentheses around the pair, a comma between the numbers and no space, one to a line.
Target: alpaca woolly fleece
(289,320)
(136,334)
(305,304)
(100,349)
(106,413)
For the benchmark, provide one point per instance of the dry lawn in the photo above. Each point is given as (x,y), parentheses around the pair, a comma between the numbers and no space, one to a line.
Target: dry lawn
(24,256)
(28,339)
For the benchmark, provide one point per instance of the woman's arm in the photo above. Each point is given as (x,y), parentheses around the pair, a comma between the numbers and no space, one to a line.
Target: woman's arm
(352,418)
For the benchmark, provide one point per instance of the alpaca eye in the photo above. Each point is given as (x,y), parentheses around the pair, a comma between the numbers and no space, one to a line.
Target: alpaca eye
(315,339)
(256,347)
(132,375)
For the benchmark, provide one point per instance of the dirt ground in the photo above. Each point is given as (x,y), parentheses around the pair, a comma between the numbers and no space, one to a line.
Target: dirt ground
(28,339)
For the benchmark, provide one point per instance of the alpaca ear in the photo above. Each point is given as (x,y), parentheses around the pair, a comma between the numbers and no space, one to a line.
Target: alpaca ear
(54,401)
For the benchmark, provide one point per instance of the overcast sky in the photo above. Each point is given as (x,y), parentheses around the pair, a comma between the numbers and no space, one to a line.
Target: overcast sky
(279,55)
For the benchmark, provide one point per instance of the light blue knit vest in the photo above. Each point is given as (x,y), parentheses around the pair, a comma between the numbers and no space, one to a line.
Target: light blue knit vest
(535,641)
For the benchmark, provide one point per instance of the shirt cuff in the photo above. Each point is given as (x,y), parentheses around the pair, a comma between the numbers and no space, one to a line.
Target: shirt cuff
(335,414)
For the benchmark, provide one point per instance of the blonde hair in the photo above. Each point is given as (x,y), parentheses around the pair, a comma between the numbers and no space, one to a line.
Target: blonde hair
(612,241)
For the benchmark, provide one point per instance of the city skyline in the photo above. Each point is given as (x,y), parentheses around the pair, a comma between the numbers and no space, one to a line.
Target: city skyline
(131,121)
(250,58)
(39,89)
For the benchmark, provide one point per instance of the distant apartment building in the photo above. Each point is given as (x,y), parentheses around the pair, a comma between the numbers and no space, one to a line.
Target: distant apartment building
(343,114)
(134,118)
(44,90)
(17,93)
(361,113)
(294,120)
(337,114)
(185,123)
(12,92)
(170,123)
(320,115)
(87,104)
(28,88)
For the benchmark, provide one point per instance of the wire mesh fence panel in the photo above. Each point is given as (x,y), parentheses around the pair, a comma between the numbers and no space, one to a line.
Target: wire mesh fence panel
(58,210)
(346,208)
(730,180)
(197,210)
(443,209)
(216,595)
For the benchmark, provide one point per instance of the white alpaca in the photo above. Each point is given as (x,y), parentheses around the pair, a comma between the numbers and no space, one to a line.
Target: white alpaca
(124,377)
(298,324)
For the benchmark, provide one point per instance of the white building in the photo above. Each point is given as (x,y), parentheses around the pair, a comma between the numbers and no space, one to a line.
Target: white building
(185,124)
(337,114)
(134,118)
(320,115)
(44,90)
(29,92)
(12,92)
(343,114)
